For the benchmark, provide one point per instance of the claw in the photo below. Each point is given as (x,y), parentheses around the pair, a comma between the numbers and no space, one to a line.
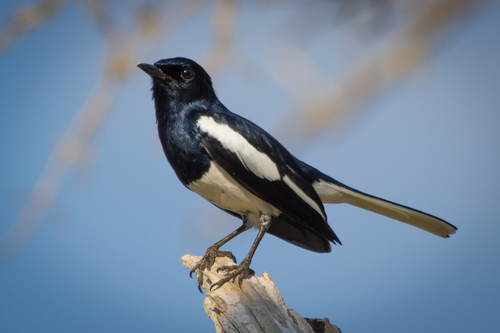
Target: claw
(207,262)
(214,285)
(199,287)
(235,271)
(232,257)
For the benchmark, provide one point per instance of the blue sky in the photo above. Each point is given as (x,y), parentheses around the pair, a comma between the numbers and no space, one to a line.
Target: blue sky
(107,255)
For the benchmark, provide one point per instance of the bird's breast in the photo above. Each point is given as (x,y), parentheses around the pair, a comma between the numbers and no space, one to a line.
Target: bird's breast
(218,187)
(184,152)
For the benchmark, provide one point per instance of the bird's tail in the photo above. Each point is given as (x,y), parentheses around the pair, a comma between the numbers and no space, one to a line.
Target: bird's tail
(332,191)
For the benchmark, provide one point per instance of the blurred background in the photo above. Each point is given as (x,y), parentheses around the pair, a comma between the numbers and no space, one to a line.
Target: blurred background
(396,98)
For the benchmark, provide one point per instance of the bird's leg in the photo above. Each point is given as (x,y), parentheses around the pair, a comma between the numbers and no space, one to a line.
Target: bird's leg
(213,252)
(243,269)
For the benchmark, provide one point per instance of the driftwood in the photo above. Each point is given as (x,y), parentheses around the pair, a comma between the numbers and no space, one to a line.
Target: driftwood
(255,307)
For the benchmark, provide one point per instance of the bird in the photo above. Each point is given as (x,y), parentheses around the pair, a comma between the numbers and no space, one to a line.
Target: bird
(243,170)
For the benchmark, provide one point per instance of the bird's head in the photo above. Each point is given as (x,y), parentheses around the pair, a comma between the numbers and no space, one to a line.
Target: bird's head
(179,80)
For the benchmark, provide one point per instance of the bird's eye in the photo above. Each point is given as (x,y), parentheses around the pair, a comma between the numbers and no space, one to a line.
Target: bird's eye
(187,73)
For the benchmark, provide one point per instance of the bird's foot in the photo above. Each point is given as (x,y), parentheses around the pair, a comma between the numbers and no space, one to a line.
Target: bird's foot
(235,271)
(207,262)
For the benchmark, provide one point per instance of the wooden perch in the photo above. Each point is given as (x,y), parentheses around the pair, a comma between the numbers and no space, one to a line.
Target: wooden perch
(255,307)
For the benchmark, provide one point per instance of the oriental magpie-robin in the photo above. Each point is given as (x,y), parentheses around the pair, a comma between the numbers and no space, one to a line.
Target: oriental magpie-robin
(243,170)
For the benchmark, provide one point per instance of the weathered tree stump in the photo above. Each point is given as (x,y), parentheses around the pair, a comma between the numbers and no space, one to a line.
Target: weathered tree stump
(255,307)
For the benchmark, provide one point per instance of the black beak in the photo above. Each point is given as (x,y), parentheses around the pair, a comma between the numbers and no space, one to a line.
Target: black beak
(152,71)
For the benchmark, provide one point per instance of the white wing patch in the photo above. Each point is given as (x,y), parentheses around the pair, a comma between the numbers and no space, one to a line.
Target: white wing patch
(258,163)
(303,195)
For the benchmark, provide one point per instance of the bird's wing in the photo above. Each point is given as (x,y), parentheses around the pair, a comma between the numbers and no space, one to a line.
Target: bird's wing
(332,191)
(265,168)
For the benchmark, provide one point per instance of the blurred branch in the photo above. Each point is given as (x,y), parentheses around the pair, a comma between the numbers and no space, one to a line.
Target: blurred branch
(224,28)
(73,147)
(28,18)
(70,149)
(408,48)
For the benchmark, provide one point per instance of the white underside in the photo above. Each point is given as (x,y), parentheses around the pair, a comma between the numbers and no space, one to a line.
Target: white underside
(218,187)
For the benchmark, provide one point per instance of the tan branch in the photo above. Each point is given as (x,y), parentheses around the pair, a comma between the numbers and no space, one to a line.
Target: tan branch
(255,307)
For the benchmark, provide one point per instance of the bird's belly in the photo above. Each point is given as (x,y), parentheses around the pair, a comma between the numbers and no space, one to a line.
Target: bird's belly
(218,187)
